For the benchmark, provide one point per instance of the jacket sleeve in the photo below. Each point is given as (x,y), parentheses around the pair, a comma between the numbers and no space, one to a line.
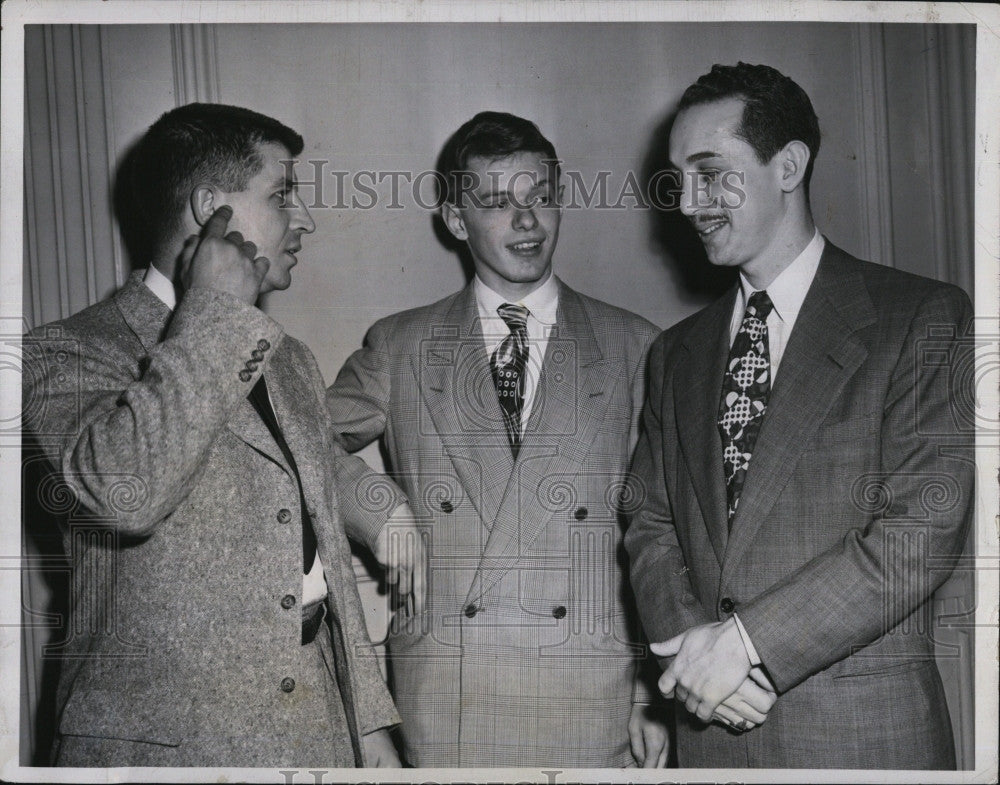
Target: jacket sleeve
(358,404)
(128,441)
(871,580)
(659,575)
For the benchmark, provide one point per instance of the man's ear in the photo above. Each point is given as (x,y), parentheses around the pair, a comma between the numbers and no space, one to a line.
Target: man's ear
(205,200)
(453,220)
(794,160)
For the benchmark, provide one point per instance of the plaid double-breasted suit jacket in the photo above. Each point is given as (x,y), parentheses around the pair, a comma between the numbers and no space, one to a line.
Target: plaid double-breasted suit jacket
(855,506)
(524,654)
(185,538)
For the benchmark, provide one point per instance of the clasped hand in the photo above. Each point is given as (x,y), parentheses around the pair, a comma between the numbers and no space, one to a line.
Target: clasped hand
(712,675)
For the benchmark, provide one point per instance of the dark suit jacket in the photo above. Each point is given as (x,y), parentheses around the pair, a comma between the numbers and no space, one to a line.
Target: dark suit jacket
(524,655)
(185,537)
(856,503)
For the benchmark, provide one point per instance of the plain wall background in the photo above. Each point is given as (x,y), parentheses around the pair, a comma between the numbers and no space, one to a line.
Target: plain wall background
(892,182)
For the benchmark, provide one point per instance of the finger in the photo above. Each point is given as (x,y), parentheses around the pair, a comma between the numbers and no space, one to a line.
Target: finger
(758,675)
(661,759)
(419,577)
(638,745)
(236,239)
(216,225)
(731,718)
(692,703)
(745,710)
(260,267)
(752,695)
(668,648)
(667,683)
(249,249)
(187,253)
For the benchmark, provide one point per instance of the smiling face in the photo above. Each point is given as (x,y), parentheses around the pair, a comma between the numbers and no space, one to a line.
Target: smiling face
(270,213)
(510,219)
(737,204)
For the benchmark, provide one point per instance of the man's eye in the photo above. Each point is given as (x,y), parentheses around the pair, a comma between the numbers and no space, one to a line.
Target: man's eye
(709,175)
(499,204)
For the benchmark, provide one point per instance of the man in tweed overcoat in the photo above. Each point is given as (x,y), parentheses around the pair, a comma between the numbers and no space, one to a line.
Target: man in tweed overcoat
(214,617)
(525,654)
(803,558)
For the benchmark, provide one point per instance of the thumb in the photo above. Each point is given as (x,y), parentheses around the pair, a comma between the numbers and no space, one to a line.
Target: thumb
(668,648)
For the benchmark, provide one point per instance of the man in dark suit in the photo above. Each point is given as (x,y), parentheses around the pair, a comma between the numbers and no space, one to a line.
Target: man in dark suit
(509,412)
(214,617)
(807,481)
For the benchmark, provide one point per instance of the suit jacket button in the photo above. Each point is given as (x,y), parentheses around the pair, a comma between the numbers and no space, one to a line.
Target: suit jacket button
(284,516)
(288,601)
(287,684)
(245,375)
(727,605)
(257,355)
(580,514)
(263,345)
(559,612)
(446,506)
(251,365)
(471,610)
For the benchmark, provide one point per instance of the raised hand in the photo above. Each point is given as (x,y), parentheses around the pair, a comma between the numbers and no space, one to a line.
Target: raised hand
(214,259)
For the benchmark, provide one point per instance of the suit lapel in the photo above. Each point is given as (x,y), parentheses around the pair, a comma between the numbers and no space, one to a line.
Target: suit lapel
(290,390)
(696,389)
(454,377)
(821,355)
(574,388)
(148,317)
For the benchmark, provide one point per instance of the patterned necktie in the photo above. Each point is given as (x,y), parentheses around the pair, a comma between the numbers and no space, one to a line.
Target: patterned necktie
(508,365)
(745,390)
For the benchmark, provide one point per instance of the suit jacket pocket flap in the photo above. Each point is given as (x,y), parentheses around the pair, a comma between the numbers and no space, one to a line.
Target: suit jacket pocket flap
(125,715)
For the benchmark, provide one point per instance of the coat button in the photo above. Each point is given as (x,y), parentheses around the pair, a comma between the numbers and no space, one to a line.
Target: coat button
(245,375)
(446,506)
(257,355)
(263,345)
(580,514)
(727,605)
(284,516)
(287,684)
(559,612)
(471,610)
(251,365)
(288,601)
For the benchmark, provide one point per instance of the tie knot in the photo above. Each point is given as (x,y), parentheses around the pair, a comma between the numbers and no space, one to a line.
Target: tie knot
(760,304)
(514,316)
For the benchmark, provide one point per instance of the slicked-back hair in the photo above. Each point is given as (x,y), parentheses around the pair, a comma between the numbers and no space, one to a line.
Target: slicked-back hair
(776,110)
(197,143)
(489,135)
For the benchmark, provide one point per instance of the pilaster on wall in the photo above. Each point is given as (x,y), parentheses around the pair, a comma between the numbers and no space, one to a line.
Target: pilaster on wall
(196,65)
(873,150)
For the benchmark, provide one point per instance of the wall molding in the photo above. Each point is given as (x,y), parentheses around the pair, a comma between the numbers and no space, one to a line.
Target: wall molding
(196,64)
(873,151)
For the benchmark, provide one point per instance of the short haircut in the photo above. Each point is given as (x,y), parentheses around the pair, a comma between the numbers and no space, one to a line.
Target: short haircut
(489,135)
(199,143)
(776,110)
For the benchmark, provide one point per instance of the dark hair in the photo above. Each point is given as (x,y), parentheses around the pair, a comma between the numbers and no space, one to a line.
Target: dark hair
(195,143)
(776,110)
(490,135)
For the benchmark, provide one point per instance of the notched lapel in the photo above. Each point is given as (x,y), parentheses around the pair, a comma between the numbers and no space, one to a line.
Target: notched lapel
(453,374)
(696,389)
(823,353)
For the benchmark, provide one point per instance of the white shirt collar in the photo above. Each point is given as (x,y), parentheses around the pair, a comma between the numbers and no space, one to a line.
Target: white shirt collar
(542,303)
(788,290)
(161,286)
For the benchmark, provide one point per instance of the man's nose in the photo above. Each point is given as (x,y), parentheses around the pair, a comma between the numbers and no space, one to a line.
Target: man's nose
(524,218)
(301,219)
(688,203)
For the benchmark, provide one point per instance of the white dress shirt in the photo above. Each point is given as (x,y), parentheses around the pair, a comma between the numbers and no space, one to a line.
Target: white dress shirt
(787,293)
(542,305)
(314,582)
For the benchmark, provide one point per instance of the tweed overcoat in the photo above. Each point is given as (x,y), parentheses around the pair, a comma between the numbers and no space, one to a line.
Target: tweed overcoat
(856,503)
(524,655)
(185,537)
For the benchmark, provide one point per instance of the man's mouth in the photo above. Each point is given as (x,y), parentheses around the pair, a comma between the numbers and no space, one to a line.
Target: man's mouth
(526,247)
(709,226)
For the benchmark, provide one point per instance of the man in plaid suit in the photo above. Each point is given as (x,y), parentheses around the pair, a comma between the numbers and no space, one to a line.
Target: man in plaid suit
(509,413)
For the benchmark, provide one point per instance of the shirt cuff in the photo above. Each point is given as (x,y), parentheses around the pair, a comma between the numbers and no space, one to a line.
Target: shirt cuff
(755,660)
